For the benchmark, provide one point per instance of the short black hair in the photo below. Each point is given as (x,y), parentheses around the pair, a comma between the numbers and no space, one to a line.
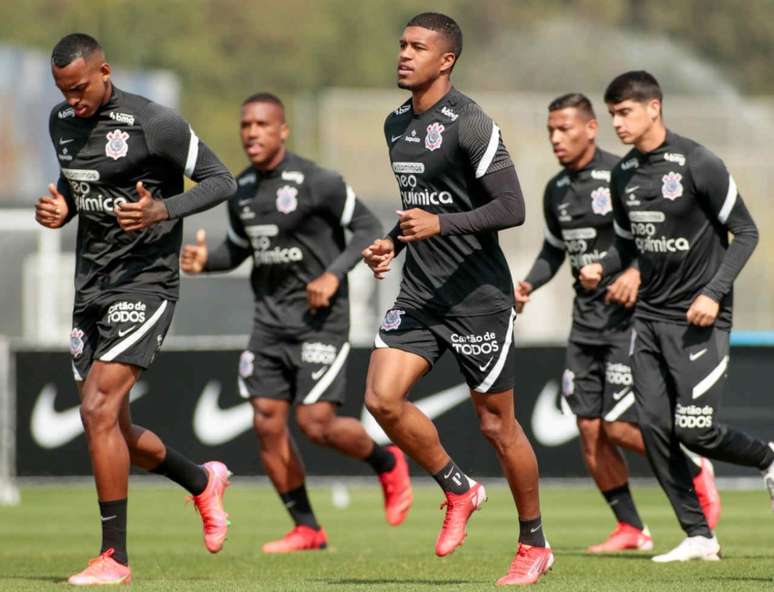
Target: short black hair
(575,100)
(445,25)
(73,46)
(264,97)
(637,85)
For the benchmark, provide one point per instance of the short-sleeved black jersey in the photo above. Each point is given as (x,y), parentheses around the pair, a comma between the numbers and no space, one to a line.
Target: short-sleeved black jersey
(292,221)
(677,204)
(438,158)
(578,213)
(101,158)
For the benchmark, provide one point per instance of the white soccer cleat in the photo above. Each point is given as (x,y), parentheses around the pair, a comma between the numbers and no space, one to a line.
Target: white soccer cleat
(695,547)
(768,478)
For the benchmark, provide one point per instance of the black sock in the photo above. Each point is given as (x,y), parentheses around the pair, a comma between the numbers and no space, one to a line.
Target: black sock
(297,504)
(452,479)
(381,459)
(113,515)
(531,532)
(621,502)
(182,471)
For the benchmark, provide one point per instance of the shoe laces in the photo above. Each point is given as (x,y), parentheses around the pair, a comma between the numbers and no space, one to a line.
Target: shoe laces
(102,557)
(520,567)
(449,517)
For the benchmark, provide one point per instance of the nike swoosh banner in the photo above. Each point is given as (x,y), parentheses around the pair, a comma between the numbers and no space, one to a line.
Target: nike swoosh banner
(191,399)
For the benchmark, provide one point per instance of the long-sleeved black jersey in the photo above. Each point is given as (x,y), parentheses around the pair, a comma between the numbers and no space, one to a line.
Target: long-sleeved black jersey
(442,159)
(292,221)
(578,213)
(675,206)
(101,158)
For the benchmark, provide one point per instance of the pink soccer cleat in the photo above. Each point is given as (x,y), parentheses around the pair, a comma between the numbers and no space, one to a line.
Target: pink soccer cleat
(527,566)
(707,492)
(102,571)
(459,507)
(625,537)
(301,538)
(209,504)
(396,485)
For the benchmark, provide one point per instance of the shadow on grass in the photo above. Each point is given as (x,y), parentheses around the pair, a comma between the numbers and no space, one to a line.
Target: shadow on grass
(623,555)
(35,578)
(377,581)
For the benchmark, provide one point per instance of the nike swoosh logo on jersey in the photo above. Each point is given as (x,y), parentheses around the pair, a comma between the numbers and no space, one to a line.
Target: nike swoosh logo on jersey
(317,373)
(121,333)
(696,355)
(617,396)
(550,426)
(62,141)
(485,366)
(432,406)
(244,202)
(51,428)
(632,189)
(395,138)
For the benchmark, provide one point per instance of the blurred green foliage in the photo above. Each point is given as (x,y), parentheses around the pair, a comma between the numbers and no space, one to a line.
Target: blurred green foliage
(223,50)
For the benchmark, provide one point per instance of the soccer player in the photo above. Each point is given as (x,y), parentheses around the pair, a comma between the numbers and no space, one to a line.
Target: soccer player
(458,187)
(674,204)
(597,382)
(122,160)
(290,216)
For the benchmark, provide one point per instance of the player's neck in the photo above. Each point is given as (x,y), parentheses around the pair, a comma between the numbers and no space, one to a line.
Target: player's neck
(424,98)
(108,93)
(651,139)
(583,160)
(274,162)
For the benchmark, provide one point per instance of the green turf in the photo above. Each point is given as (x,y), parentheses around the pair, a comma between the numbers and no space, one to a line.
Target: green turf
(53,532)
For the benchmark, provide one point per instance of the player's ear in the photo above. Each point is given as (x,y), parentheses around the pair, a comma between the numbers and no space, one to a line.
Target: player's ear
(105,71)
(592,126)
(447,62)
(653,108)
(284,131)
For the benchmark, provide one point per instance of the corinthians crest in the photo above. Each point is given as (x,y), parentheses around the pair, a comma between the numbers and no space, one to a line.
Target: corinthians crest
(671,187)
(116,146)
(392,319)
(434,139)
(286,199)
(600,201)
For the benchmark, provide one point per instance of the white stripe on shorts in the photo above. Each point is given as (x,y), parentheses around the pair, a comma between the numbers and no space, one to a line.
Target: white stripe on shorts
(325,381)
(494,374)
(122,346)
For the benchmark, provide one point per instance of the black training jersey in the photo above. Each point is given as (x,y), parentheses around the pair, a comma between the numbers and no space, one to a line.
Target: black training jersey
(438,158)
(101,158)
(678,203)
(292,221)
(578,215)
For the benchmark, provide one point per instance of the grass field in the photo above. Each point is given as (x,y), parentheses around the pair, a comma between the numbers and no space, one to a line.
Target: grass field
(53,532)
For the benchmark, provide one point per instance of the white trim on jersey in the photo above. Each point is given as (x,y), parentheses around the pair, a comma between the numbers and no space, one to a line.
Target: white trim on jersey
(619,408)
(709,381)
(122,346)
(552,240)
(379,343)
(193,154)
(349,207)
(497,369)
(236,239)
(325,381)
(242,385)
(491,149)
(76,375)
(621,232)
(728,204)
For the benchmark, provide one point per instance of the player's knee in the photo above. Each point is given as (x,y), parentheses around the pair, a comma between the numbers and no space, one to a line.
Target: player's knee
(315,429)
(495,429)
(615,432)
(267,425)
(96,412)
(382,407)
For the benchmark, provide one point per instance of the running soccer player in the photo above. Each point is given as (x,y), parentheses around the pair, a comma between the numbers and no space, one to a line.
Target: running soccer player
(122,160)
(290,216)
(674,204)
(597,382)
(459,187)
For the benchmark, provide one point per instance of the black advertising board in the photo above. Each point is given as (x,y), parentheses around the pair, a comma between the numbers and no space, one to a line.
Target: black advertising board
(190,399)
